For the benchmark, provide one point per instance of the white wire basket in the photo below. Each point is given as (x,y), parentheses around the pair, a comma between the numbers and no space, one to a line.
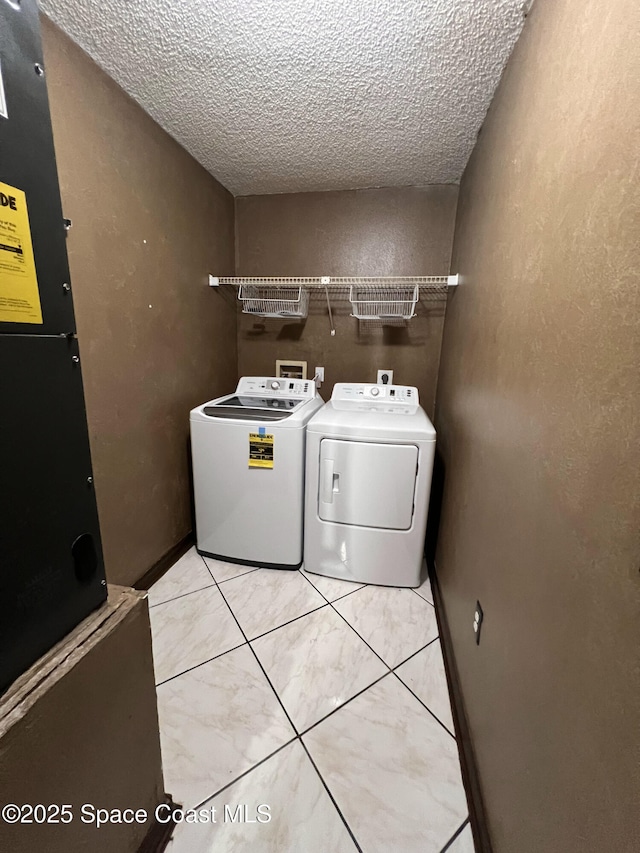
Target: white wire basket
(383,303)
(269,301)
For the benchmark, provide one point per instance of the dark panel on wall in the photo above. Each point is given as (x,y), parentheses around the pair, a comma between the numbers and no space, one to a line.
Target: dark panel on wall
(52,573)
(51,566)
(27,162)
(396,231)
(149,225)
(537,416)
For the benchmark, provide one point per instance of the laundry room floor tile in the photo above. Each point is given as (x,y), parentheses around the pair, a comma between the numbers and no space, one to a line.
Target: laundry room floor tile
(303,818)
(190,630)
(383,769)
(424,590)
(315,664)
(424,674)
(222,571)
(463,843)
(268,598)
(394,622)
(187,575)
(332,588)
(392,769)
(216,722)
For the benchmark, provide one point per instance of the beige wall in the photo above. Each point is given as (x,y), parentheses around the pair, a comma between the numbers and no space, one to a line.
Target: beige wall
(149,225)
(538,418)
(401,231)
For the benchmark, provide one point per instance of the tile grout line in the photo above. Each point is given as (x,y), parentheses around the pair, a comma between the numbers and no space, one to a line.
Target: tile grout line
(423,598)
(344,704)
(364,690)
(295,619)
(424,704)
(426,707)
(417,652)
(346,621)
(298,735)
(330,603)
(241,575)
(275,693)
(391,671)
(182,595)
(390,668)
(197,665)
(455,835)
(245,643)
(304,731)
(267,758)
(246,772)
(331,797)
(271,630)
(258,661)
(207,567)
(249,570)
(307,578)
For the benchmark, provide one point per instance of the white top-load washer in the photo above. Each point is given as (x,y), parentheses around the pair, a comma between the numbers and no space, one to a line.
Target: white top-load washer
(248,452)
(370,454)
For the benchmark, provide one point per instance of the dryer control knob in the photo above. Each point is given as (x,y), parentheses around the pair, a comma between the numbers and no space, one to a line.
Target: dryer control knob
(275,385)
(375,392)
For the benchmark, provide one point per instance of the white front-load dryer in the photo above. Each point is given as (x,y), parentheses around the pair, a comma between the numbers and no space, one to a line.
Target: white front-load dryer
(248,454)
(370,454)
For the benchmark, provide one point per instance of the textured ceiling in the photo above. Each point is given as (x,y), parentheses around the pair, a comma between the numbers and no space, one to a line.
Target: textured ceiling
(291,95)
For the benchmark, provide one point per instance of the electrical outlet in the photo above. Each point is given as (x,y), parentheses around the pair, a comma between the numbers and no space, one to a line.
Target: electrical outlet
(385,377)
(319,376)
(478,616)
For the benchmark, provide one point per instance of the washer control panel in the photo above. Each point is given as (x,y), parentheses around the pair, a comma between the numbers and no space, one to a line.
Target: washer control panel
(276,386)
(344,392)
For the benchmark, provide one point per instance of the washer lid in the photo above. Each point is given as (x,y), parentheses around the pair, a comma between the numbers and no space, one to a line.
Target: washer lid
(252,408)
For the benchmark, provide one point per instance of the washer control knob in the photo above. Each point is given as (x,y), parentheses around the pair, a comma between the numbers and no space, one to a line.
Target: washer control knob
(375,391)
(275,385)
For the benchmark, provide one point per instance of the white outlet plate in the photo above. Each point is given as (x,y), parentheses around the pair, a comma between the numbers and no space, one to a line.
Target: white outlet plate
(319,376)
(382,373)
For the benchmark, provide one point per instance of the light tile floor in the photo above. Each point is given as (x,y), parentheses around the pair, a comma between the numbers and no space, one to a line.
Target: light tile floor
(322,700)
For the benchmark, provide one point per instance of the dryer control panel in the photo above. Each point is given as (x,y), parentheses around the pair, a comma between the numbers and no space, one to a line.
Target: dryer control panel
(344,392)
(276,386)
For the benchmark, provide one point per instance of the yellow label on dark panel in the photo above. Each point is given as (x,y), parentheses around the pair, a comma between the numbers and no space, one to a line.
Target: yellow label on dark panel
(260,450)
(19,294)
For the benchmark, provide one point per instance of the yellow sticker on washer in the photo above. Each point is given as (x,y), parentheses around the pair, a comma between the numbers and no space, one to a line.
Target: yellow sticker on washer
(260,450)
(19,294)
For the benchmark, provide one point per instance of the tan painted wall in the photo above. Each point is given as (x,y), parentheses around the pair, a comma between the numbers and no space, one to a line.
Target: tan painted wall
(154,339)
(401,231)
(538,419)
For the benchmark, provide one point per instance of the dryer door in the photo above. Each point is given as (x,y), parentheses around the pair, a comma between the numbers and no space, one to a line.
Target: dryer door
(367,483)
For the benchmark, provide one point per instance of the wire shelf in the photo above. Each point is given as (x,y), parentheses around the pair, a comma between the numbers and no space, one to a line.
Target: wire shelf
(429,283)
(372,302)
(387,300)
(265,300)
